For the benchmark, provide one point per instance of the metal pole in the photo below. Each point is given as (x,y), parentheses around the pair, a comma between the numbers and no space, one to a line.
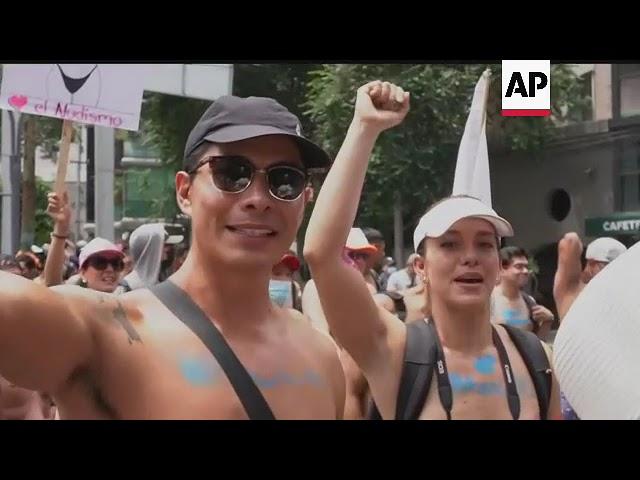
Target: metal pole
(105,159)
(10,148)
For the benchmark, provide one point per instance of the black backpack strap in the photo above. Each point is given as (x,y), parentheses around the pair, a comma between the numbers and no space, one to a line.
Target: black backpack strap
(185,309)
(531,302)
(537,362)
(419,360)
(417,372)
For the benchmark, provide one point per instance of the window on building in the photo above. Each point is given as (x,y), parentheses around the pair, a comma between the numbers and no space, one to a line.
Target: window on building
(630,176)
(629,89)
(582,111)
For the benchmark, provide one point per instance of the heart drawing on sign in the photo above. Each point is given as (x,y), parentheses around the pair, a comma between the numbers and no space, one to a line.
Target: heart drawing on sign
(18,101)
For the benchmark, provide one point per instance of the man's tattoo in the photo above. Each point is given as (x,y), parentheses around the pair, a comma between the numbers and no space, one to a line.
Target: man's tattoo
(121,317)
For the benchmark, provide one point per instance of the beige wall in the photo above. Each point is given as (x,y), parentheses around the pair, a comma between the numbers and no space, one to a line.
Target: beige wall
(601,90)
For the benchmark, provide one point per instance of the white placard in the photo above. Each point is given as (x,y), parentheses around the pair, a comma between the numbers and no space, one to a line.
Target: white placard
(108,95)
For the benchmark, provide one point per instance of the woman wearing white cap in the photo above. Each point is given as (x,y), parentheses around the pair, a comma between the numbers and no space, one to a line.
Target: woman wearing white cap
(101,265)
(480,373)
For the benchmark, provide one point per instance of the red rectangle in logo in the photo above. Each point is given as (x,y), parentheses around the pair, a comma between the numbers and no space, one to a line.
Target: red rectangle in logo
(526,113)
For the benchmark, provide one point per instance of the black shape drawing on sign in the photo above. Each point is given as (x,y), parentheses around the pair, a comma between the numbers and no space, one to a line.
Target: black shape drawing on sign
(75,83)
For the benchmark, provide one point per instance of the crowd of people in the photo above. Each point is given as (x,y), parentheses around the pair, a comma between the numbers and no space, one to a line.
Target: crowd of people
(228,328)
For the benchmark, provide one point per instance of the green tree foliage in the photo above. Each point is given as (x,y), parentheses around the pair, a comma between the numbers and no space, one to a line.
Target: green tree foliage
(417,159)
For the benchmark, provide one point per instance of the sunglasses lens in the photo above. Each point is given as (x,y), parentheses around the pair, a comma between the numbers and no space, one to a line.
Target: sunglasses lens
(231,174)
(101,263)
(286,183)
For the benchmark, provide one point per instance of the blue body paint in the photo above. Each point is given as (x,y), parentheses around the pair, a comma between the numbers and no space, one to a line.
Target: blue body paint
(512,317)
(485,365)
(205,372)
(198,372)
(463,384)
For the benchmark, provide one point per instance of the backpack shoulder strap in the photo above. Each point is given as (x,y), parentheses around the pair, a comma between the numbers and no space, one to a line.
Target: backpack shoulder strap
(419,360)
(417,372)
(186,310)
(537,362)
(530,302)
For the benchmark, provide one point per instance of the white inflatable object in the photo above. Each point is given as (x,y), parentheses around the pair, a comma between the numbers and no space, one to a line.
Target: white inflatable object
(597,348)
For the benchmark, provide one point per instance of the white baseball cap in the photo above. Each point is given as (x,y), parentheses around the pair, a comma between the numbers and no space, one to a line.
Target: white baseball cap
(604,249)
(443,215)
(358,241)
(98,245)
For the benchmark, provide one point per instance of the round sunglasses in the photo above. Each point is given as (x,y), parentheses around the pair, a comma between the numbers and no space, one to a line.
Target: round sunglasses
(234,174)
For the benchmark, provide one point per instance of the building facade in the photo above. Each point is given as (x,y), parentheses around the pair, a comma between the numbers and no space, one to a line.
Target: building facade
(586,181)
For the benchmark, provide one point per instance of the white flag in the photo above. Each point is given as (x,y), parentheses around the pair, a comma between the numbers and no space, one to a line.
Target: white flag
(472,166)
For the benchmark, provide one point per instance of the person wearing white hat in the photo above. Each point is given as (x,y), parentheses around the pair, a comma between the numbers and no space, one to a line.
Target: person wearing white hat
(477,369)
(570,278)
(458,240)
(101,264)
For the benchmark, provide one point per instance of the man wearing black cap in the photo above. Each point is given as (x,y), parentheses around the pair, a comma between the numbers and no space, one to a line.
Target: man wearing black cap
(208,343)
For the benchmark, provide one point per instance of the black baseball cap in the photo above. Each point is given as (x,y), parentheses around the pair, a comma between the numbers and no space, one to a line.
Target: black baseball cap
(231,118)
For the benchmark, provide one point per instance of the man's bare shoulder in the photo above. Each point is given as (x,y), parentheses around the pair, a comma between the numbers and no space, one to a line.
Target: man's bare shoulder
(88,296)
(98,309)
(80,299)
(85,301)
